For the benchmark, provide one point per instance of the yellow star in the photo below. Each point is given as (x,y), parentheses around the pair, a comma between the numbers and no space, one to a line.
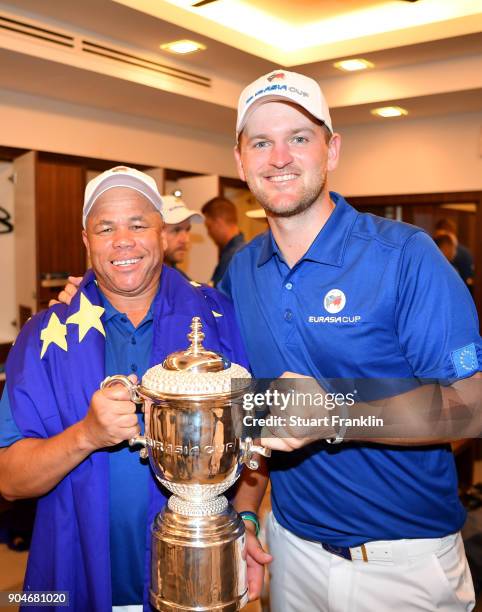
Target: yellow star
(87,317)
(216,314)
(54,333)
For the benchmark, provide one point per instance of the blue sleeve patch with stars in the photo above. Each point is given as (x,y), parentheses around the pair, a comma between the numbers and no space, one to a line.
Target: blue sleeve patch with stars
(465,360)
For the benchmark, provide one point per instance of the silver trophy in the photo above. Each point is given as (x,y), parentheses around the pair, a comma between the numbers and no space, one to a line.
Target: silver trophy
(193,424)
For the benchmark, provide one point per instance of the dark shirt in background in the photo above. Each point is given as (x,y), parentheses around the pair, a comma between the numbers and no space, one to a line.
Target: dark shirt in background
(463,262)
(225,256)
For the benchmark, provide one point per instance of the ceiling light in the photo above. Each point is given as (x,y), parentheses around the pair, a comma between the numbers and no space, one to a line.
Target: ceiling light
(389,111)
(183,46)
(351,65)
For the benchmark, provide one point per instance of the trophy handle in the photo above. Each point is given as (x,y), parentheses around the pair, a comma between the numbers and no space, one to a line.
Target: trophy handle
(128,384)
(249,449)
(142,440)
(136,398)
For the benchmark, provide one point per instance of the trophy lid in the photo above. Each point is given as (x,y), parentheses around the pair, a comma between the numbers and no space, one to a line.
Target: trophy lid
(195,371)
(196,358)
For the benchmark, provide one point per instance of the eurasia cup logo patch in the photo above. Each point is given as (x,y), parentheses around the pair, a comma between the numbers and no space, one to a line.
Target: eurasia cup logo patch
(276,75)
(334,301)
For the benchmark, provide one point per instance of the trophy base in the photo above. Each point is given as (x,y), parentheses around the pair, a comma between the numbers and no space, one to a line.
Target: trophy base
(198,562)
(167,606)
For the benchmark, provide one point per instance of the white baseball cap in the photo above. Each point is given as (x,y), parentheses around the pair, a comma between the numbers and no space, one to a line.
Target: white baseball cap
(296,88)
(175,211)
(121,176)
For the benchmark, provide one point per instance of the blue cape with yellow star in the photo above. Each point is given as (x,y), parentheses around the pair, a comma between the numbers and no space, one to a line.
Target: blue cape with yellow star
(54,368)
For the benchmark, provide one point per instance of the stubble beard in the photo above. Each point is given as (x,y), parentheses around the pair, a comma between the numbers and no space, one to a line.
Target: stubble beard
(309,197)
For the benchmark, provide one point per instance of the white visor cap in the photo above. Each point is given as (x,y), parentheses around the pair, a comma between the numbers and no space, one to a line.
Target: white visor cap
(121,176)
(175,211)
(284,85)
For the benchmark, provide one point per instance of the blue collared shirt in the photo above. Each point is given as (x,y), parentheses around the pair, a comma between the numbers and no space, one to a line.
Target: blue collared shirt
(370,299)
(127,351)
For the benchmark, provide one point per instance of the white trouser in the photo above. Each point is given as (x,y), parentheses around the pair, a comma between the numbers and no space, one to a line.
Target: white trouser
(399,576)
(126,608)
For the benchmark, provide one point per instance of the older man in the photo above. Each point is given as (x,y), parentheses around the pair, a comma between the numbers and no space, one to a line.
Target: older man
(62,439)
(330,293)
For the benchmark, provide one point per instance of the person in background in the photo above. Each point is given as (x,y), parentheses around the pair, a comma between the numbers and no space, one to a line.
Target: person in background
(177,229)
(447,245)
(463,261)
(221,220)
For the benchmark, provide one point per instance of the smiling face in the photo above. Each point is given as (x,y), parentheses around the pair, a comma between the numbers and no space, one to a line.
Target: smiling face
(177,239)
(284,157)
(125,243)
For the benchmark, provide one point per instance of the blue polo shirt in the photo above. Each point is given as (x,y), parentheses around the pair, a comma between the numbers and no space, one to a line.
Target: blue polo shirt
(370,299)
(127,351)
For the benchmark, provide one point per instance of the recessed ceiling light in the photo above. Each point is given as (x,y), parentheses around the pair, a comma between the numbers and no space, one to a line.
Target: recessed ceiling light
(351,65)
(183,46)
(389,111)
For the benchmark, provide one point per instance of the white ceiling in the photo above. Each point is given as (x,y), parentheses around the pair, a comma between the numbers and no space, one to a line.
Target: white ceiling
(118,23)
(440,74)
(303,11)
(321,31)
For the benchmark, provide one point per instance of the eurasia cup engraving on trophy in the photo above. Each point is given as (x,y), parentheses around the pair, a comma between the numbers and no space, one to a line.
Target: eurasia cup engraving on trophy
(193,441)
